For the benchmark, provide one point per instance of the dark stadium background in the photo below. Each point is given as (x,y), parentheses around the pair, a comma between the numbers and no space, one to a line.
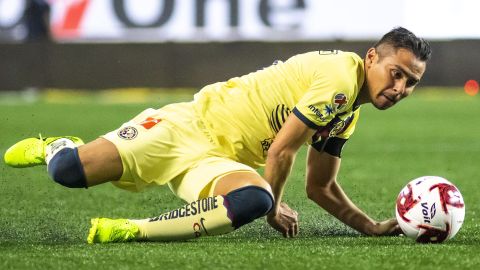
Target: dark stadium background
(33,55)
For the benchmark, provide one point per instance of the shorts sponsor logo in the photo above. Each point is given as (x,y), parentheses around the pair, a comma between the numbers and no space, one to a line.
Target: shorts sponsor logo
(150,122)
(128,133)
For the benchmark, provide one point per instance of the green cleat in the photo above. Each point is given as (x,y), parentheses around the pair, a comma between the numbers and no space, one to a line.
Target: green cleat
(31,152)
(105,230)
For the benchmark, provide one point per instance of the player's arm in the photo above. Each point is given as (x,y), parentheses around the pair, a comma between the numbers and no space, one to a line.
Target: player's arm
(323,188)
(280,158)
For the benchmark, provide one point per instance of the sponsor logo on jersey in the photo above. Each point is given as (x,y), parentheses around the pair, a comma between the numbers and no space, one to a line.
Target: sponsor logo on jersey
(340,101)
(128,133)
(317,112)
(328,52)
(328,109)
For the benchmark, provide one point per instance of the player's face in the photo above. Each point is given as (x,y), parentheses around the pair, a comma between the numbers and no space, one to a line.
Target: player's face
(391,75)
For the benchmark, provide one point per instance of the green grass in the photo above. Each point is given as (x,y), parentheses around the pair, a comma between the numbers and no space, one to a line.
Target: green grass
(44,226)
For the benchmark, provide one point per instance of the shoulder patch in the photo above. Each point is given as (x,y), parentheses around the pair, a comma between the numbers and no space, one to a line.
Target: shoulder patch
(340,101)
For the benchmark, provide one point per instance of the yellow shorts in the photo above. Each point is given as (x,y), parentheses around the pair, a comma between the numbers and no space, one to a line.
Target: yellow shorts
(171,146)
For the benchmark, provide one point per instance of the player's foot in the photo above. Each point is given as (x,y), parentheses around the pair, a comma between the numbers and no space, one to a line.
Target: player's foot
(105,230)
(31,152)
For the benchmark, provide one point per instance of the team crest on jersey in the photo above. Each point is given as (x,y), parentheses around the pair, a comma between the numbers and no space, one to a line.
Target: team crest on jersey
(128,133)
(340,101)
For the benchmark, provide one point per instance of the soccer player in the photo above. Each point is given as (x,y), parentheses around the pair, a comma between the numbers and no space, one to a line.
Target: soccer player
(207,150)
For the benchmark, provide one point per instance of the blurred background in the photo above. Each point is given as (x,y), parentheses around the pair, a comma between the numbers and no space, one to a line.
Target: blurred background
(105,44)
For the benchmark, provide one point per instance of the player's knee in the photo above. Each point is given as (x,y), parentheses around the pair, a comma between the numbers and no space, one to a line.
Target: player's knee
(248,203)
(66,169)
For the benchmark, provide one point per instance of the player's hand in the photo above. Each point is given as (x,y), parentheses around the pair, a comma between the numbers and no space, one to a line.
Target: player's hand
(388,227)
(285,221)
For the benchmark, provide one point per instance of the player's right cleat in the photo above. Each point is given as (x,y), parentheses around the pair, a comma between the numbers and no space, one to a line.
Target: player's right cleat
(31,152)
(105,230)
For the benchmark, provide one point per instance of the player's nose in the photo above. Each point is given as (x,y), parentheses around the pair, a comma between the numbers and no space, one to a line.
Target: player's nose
(400,88)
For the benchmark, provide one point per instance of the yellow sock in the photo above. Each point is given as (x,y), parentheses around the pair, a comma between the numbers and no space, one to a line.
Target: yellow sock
(207,216)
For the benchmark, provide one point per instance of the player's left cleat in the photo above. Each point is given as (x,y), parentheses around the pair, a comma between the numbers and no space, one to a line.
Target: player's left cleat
(105,230)
(31,151)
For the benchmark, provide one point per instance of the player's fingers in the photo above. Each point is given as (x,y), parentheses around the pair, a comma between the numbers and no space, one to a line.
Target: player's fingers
(392,222)
(295,229)
(396,230)
(284,231)
(290,232)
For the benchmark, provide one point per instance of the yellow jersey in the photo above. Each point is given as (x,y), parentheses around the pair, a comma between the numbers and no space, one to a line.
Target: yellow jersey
(245,113)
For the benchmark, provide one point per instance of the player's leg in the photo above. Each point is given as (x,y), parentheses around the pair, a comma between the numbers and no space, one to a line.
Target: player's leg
(69,162)
(101,162)
(74,164)
(238,198)
(88,165)
(249,196)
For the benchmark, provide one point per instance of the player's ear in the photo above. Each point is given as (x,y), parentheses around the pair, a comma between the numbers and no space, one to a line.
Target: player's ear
(370,57)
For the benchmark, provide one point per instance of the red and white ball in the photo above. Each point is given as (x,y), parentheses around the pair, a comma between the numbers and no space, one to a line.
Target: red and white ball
(430,209)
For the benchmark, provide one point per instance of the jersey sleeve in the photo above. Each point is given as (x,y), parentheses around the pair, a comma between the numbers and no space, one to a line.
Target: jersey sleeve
(315,109)
(332,80)
(332,140)
(348,126)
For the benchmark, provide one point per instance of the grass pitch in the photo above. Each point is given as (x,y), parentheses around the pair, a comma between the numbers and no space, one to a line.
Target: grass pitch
(44,225)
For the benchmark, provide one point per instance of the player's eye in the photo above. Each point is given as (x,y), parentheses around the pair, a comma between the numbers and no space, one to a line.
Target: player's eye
(411,82)
(397,74)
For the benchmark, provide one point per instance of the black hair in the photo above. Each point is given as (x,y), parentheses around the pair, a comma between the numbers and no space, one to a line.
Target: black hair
(402,38)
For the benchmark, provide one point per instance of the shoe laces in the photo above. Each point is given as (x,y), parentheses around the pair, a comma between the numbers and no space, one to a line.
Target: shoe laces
(42,143)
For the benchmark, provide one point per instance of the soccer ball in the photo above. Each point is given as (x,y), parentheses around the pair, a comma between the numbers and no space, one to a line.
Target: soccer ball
(430,209)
